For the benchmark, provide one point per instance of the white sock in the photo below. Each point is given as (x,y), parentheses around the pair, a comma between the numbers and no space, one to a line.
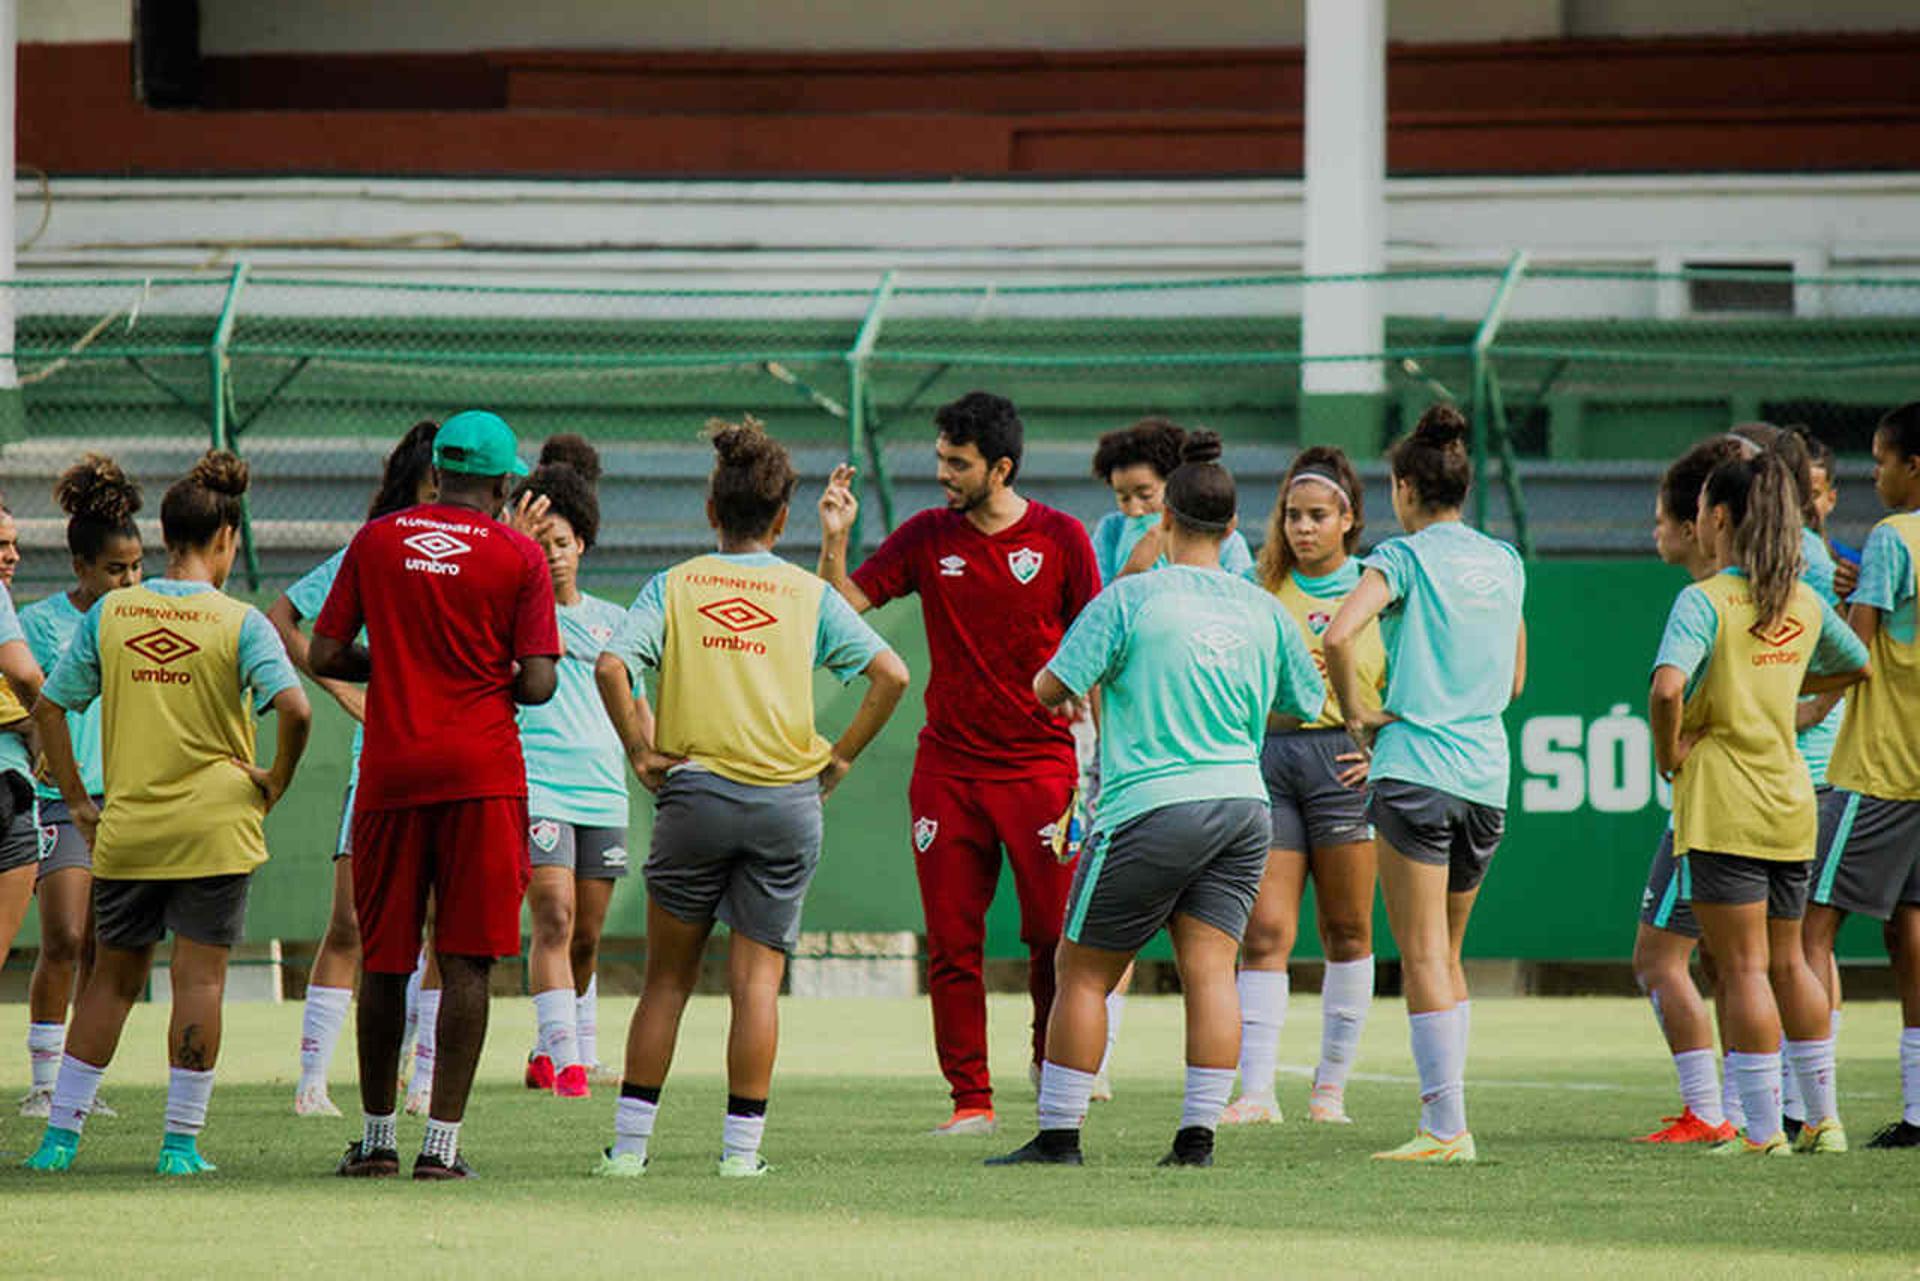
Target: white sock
(1346,995)
(424,1040)
(1438,1057)
(1263,1011)
(1208,1090)
(1730,1105)
(1791,1104)
(1064,1093)
(1811,1065)
(740,1134)
(46,1042)
(1833,1023)
(633,1126)
(187,1095)
(442,1140)
(1699,1072)
(1910,1075)
(408,1037)
(1116,1010)
(553,1010)
(1758,1079)
(378,1132)
(1464,1013)
(321,1023)
(586,1022)
(74,1091)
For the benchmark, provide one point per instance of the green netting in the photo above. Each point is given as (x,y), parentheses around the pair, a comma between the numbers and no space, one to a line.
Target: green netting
(312,378)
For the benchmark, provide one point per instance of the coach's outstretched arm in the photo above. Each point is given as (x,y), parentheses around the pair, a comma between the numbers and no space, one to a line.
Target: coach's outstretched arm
(534,680)
(887,680)
(838,509)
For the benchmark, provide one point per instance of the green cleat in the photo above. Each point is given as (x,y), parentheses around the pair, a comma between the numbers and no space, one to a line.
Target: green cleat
(180,1155)
(1776,1146)
(743,1167)
(624,1166)
(57,1150)
(1825,1138)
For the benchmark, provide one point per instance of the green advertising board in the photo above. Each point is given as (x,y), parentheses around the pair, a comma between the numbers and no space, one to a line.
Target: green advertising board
(1585,814)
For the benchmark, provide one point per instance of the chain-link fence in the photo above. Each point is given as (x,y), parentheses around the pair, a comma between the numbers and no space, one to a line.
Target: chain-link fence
(312,378)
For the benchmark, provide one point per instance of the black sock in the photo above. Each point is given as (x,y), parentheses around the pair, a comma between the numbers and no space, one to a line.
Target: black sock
(1057,1142)
(739,1106)
(645,1093)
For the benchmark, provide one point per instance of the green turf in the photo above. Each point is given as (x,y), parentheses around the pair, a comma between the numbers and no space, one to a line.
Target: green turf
(1554,1088)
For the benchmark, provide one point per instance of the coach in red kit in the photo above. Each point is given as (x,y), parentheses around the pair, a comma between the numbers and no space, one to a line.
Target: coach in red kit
(1000,578)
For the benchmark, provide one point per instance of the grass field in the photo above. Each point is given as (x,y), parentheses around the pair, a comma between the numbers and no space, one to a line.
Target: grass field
(1555,1086)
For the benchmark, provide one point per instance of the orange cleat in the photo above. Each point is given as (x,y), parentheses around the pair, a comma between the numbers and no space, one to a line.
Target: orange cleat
(1689,1128)
(967,1121)
(540,1075)
(571,1082)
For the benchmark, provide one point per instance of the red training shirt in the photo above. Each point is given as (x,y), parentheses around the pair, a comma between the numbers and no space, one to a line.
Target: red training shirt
(450,599)
(996,608)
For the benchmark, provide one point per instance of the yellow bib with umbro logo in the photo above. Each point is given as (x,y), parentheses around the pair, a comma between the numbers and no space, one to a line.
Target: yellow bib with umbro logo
(1744,789)
(1878,751)
(173,720)
(1315,614)
(736,672)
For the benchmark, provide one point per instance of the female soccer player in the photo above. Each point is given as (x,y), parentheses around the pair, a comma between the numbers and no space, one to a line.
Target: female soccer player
(1319,820)
(739,773)
(19,837)
(1449,598)
(1664,945)
(576,795)
(181,669)
(1871,863)
(100,503)
(1135,462)
(405,480)
(1739,651)
(1191,663)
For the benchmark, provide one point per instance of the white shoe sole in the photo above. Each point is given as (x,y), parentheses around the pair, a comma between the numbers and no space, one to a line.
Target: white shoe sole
(974,1126)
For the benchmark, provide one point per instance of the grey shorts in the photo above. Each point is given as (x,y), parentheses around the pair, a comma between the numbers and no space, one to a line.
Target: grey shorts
(61,845)
(1663,904)
(1311,810)
(1733,879)
(590,853)
(205,909)
(1869,854)
(1202,859)
(1437,828)
(19,833)
(736,853)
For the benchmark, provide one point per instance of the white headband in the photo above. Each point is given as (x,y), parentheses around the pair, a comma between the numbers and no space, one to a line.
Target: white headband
(1324,478)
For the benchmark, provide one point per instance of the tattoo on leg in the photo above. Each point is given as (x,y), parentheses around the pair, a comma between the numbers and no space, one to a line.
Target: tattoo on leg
(192,1049)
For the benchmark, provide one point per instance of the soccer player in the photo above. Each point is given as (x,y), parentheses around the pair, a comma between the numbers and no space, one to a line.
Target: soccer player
(739,773)
(1134,462)
(1668,934)
(1739,651)
(19,837)
(1871,863)
(1449,600)
(576,796)
(1191,663)
(405,480)
(100,503)
(180,669)
(1000,577)
(1318,816)
(458,610)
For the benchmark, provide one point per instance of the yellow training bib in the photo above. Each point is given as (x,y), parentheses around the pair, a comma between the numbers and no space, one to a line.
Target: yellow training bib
(1314,614)
(1878,751)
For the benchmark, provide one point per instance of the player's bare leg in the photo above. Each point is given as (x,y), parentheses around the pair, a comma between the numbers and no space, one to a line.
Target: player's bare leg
(1205,956)
(119,979)
(754,971)
(555,1061)
(199,975)
(1344,877)
(591,899)
(1428,923)
(1662,966)
(1264,986)
(59,971)
(329,994)
(1076,1040)
(674,951)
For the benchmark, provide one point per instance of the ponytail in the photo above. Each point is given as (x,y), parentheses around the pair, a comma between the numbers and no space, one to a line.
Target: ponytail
(1763,502)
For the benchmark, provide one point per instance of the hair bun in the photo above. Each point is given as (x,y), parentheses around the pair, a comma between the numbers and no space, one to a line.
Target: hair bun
(573,450)
(1441,426)
(97,489)
(1200,446)
(221,472)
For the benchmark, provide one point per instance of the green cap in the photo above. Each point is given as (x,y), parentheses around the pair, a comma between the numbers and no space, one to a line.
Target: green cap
(478,443)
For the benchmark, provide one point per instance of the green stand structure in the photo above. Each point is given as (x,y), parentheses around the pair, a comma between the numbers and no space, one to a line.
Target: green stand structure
(1353,421)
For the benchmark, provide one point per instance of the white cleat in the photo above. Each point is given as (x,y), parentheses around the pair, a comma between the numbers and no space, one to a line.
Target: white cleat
(37,1102)
(313,1100)
(102,1108)
(1102,1088)
(1328,1106)
(602,1074)
(1247,1110)
(966,1122)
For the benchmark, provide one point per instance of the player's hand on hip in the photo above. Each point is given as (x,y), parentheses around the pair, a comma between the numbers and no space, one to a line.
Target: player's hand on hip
(838,504)
(1353,768)
(86,820)
(651,767)
(265,781)
(830,777)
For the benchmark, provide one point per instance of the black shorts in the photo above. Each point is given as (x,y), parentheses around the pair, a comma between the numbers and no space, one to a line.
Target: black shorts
(1438,828)
(1734,879)
(1309,807)
(1202,859)
(204,909)
(1869,854)
(1664,904)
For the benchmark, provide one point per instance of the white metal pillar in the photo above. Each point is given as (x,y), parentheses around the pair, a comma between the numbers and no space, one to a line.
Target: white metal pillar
(1345,214)
(9,89)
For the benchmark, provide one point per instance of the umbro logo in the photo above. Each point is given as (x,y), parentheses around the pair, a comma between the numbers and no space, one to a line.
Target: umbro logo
(738,614)
(1218,642)
(953,566)
(162,645)
(437,544)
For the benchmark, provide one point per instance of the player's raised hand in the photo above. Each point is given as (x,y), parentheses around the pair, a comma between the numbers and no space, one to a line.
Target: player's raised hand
(531,516)
(838,504)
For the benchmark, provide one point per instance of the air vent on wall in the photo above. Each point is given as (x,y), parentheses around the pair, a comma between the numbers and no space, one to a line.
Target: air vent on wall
(1746,288)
